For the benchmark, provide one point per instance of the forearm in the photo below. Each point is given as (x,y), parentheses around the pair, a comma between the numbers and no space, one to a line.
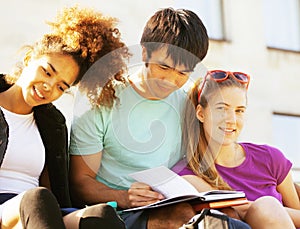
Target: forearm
(88,191)
(297,186)
(295,216)
(198,183)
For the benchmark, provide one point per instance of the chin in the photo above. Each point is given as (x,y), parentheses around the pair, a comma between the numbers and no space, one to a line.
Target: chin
(163,96)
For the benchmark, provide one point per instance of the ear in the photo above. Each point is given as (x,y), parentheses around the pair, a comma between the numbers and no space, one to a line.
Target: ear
(200,113)
(144,54)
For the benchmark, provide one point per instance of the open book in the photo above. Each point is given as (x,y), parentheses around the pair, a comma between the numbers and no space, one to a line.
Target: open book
(176,189)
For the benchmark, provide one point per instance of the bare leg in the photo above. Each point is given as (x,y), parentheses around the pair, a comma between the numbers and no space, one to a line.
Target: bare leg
(11,214)
(295,216)
(35,208)
(268,212)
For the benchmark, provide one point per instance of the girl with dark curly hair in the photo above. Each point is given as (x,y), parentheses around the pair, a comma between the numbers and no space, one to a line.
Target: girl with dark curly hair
(33,133)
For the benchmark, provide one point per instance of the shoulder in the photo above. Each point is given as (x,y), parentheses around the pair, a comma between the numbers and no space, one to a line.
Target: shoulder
(262,150)
(3,84)
(89,119)
(177,98)
(48,113)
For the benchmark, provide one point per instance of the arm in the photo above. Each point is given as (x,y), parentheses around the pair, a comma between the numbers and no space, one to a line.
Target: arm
(297,186)
(198,183)
(234,212)
(295,216)
(289,194)
(44,178)
(85,189)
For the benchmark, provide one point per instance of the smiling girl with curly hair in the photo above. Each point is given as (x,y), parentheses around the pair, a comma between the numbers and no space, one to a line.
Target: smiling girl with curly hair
(33,133)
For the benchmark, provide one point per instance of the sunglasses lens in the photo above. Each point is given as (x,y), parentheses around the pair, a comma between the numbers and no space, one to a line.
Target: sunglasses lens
(241,76)
(218,75)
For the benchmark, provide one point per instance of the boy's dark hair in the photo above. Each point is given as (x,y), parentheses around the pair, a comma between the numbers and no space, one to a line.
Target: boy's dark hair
(182,31)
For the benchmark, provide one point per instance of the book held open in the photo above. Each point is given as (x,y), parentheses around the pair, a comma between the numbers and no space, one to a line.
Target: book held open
(176,189)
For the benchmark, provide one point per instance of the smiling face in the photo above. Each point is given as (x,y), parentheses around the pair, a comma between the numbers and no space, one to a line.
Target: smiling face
(45,79)
(223,118)
(162,77)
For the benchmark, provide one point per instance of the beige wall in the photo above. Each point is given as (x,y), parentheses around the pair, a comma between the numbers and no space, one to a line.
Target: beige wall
(275,79)
(275,74)
(23,21)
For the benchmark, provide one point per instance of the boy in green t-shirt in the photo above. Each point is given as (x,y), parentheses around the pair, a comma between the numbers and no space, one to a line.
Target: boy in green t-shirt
(142,129)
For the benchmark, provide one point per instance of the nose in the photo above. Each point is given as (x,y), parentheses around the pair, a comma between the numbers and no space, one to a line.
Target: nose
(230,116)
(46,86)
(172,78)
(49,84)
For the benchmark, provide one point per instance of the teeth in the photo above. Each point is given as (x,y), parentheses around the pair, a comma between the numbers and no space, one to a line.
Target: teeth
(39,93)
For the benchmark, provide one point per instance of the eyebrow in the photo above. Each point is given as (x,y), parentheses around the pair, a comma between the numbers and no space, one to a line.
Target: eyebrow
(65,83)
(54,70)
(222,103)
(51,66)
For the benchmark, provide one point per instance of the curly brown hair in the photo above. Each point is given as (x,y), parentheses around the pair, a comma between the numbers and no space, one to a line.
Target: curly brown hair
(88,36)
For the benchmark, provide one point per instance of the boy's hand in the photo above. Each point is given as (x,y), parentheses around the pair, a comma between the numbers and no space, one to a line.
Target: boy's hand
(141,194)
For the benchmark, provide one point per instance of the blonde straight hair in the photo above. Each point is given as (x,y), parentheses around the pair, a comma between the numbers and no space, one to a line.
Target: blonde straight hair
(194,143)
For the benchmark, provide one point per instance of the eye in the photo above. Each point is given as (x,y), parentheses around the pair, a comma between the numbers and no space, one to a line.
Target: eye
(62,87)
(220,108)
(163,67)
(241,111)
(183,73)
(46,72)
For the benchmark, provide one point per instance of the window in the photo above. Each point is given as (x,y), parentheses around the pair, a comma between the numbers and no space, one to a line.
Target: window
(282,24)
(210,12)
(286,136)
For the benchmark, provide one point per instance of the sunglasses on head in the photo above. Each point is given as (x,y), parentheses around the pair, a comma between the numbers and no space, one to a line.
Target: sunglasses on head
(220,75)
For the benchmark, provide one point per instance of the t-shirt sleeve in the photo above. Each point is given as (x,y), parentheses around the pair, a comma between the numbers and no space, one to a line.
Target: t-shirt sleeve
(87,133)
(281,166)
(182,169)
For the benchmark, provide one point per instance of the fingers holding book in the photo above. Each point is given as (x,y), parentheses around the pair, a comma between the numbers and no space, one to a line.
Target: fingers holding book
(141,194)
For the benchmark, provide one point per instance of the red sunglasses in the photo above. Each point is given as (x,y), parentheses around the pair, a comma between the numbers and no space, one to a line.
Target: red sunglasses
(220,75)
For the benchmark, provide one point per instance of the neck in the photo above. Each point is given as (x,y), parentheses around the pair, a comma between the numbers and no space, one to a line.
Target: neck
(13,101)
(139,84)
(230,156)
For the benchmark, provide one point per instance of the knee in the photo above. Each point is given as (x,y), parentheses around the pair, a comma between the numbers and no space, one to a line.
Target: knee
(37,196)
(173,216)
(39,209)
(183,210)
(267,211)
(264,207)
(99,210)
(100,216)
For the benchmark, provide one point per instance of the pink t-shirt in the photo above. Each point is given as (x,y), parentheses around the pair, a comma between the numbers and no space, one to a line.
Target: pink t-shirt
(264,168)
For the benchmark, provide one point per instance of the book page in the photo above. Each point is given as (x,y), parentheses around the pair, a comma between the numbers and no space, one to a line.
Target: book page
(176,189)
(165,181)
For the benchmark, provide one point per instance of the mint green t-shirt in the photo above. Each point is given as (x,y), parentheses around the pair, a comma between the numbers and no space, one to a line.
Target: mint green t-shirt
(135,134)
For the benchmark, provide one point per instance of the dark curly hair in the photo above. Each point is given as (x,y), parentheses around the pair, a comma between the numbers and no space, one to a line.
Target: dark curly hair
(87,36)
